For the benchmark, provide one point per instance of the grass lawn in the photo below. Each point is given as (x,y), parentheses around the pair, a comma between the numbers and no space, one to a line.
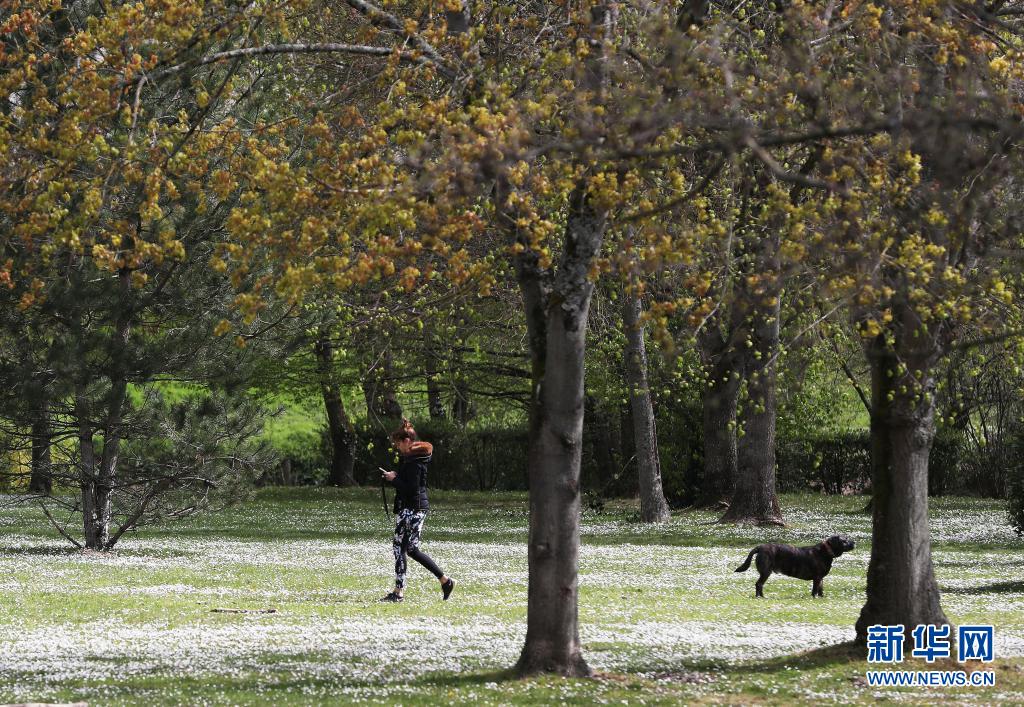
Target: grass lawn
(664,619)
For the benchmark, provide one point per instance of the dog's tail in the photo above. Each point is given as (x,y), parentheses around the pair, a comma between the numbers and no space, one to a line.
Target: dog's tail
(746,564)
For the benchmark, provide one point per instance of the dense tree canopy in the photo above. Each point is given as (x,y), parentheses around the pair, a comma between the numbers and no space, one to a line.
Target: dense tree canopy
(743,174)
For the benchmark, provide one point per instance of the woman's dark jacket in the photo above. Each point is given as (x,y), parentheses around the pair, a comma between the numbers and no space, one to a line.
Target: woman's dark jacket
(411,482)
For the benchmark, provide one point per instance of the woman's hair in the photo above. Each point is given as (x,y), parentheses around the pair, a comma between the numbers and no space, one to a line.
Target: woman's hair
(405,431)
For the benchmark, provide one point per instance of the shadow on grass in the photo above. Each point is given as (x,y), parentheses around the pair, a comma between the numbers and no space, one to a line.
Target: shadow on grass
(454,680)
(826,656)
(994,588)
(40,550)
(1010,561)
(67,550)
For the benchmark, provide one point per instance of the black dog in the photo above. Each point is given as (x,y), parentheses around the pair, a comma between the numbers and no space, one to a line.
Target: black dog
(811,563)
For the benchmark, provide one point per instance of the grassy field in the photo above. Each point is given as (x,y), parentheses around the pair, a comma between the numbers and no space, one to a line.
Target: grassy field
(664,619)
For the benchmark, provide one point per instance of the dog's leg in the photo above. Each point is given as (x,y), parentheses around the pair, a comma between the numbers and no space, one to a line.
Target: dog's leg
(759,586)
(816,589)
(764,568)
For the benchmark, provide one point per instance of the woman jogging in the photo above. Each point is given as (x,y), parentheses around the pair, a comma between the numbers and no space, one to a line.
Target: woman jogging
(410,482)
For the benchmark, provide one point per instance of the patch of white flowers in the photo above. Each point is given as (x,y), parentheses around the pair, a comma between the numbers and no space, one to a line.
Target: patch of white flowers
(647,606)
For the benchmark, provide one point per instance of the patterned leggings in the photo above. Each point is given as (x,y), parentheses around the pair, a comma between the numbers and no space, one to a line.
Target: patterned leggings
(408,526)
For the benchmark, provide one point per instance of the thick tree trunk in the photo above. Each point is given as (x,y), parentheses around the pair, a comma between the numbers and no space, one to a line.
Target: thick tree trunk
(556,435)
(41,480)
(718,408)
(598,422)
(653,506)
(557,307)
(901,586)
(754,499)
(557,320)
(339,427)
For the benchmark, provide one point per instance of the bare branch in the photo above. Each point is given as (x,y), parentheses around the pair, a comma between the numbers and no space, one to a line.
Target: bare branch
(328,47)
(59,529)
(846,369)
(385,19)
(678,201)
(783,174)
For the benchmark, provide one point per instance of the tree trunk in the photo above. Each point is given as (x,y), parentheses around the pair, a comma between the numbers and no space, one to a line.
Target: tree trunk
(720,448)
(556,431)
(457,21)
(381,400)
(95,506)
(462,405)
(41,480)
(557,307)
(718,407)
(604,462)
(901,586)
(754,499)
(653,506)
(435,405)
(557,320)
(389,398)
(99,475)
(107,467)
(339,427)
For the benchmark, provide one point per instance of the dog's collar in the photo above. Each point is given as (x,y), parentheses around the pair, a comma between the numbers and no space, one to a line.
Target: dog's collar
(828,549)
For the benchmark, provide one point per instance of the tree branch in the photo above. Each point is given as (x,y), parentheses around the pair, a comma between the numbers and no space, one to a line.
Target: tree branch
(380,18)
(328,47)
(59,529)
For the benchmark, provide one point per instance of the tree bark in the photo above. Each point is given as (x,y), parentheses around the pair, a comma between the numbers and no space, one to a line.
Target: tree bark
(435,404)
(95,510)
(653,506)
(754,499)
(103,470)
(557,307)
(98,475)
(901,586)
(462,405)
(718,407)
(339,427)
(605,461)
(457,21)
(41,480)
(556,322)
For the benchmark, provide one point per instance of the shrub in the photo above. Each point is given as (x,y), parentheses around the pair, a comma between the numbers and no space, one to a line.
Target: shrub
(469,460)
(836,464)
